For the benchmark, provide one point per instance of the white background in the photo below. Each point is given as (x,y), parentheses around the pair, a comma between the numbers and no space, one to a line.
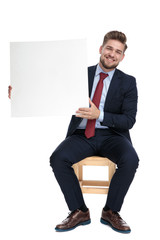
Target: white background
(31,201)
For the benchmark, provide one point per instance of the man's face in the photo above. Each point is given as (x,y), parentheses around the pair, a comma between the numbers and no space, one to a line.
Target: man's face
(112,53)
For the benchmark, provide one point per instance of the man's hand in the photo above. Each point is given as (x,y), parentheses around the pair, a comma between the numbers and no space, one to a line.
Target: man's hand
(89,113)
(9,91)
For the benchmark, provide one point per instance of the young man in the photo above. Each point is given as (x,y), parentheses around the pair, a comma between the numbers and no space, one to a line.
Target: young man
(103,130)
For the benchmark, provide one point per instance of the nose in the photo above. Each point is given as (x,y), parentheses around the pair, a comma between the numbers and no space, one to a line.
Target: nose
(111,53)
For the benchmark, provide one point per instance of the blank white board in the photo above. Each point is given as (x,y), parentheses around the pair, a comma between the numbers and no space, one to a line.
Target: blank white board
(48,78)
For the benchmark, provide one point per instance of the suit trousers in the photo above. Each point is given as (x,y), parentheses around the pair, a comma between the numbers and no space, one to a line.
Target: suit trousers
(105,143)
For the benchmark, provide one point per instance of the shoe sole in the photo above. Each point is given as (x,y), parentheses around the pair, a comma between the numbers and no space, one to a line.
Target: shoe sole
(115,229)
(69,229)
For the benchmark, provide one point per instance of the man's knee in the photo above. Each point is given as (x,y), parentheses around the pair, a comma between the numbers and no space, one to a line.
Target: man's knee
(52,160)
(133,162)
(55,160)
(130,161)
(58,160)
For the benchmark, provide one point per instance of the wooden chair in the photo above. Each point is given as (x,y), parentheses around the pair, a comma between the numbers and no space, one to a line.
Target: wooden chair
(94,186)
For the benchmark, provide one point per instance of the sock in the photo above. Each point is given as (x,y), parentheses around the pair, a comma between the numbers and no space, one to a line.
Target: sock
(83,208)
(106,208)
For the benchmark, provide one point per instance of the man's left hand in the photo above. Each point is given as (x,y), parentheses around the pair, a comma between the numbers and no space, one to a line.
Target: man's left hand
(89,113)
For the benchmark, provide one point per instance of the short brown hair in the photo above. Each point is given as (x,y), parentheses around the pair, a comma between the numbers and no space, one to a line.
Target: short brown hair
(116,36)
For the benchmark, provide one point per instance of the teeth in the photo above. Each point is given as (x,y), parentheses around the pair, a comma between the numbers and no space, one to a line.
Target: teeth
(110,59)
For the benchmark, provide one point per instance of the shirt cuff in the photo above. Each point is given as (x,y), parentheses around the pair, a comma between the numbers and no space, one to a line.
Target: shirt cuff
(101,116)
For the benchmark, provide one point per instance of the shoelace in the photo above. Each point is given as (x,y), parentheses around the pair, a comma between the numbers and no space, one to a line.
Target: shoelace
(116,217)
(70,213)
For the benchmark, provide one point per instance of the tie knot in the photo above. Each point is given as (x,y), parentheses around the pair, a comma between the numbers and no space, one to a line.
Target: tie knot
(103,76)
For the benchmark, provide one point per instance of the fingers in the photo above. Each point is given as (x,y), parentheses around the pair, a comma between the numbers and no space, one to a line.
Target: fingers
(87,109)
(84,109)
(88,113)
(83,113)
(90,102)
(9,91)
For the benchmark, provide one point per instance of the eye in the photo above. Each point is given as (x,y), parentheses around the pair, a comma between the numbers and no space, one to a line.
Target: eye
(109,48)
(119,52)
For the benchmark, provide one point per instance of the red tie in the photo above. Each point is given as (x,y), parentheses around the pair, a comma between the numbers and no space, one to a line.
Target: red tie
(90,127)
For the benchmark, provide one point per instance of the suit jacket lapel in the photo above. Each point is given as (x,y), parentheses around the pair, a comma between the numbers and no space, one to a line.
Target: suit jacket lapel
(91,74)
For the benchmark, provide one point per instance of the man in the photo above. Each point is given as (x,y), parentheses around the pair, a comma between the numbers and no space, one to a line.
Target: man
(103,130)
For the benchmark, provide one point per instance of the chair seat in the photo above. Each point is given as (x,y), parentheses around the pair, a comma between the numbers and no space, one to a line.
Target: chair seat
(94,186)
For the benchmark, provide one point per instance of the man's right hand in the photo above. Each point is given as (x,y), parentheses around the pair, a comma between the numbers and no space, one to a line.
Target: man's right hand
(9,92)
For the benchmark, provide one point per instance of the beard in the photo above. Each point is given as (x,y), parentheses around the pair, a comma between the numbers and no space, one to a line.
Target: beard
(108,66)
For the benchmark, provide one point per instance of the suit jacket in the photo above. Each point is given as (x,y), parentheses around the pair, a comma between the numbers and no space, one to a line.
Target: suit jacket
(120,106)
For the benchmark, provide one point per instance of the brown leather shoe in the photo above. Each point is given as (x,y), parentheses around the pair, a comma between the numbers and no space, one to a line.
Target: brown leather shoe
(75,219)
(114,220)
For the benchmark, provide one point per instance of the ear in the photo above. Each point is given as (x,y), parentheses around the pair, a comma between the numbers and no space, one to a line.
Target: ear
(100,49)
(123,57)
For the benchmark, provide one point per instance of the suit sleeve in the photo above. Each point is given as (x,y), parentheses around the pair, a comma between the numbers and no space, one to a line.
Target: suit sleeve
(126,117)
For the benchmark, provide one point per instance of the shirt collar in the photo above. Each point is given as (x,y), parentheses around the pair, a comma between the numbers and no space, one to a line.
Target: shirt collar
(99,69)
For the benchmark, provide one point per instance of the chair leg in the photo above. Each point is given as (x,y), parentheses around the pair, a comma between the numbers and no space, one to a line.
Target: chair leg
(76,170)
(80,173)
(111,169)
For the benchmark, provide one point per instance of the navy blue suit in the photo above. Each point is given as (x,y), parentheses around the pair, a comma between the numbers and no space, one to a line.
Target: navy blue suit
(119,116)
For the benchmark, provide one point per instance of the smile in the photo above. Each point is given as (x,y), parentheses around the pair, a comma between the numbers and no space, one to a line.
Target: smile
(110,59)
